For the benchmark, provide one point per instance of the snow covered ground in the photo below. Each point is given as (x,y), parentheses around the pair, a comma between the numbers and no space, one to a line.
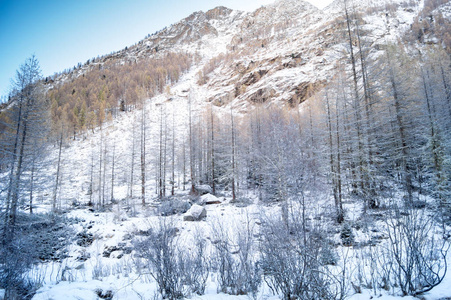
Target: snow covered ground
(73,279)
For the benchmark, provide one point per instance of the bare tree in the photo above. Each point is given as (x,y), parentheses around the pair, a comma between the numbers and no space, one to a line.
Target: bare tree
(173,153)
(334,165)
(399,96)
(191,148)
(58,173)
(113,161)
(28,94)
(17,248)
(143,153)
(212,150)
(233,146)
(356,100)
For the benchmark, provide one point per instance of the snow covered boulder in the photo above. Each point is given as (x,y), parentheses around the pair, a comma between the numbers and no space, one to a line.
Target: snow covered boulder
(203,189)
(209,199)
(195,213)
(173,206)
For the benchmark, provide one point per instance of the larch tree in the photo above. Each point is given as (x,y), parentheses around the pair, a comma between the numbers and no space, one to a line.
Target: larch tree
(398,89)
(191,147)
(143,151)
(28,94)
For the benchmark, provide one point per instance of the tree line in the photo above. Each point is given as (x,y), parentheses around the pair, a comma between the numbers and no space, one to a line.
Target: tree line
(90,98)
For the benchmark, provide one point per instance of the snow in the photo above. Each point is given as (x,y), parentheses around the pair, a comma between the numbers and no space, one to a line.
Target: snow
(127,217)
(70,291)
(196,211)
(443,291)
(366,295)
(87,290)
(208,198)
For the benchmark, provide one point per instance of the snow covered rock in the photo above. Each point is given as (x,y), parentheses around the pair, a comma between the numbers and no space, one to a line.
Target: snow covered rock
(195,213)
(203,189)
(173,206)
(108,250)
(209,199)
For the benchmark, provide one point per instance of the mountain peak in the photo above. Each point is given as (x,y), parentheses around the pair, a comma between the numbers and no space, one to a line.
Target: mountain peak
(293,4)
(218,12)
(286,9)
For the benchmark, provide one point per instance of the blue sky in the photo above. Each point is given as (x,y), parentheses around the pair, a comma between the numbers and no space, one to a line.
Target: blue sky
(62,33)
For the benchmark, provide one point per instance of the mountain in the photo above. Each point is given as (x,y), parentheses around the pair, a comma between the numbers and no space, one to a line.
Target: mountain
(281,53)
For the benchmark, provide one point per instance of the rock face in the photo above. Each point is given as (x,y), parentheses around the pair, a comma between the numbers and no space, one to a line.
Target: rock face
(195,213)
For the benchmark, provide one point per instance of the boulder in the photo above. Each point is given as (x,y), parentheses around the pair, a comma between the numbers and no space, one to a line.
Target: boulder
(188,218)
(195,213)
(209,199)
(203,189)
(173,206)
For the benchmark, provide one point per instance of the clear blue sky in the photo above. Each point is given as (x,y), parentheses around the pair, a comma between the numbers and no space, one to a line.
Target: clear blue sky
(62,33)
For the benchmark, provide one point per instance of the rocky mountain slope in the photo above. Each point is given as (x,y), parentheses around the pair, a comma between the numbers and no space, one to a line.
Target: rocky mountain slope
(281,53)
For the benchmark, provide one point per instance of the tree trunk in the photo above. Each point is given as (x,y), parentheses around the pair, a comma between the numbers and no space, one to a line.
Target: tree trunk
(100,168)
(143,155)
(368,176)
(233,158)
(132,165)
(339,180)
(356,102)
(91,184)
(184,165)
(160,158)
(112,172)
(58,168)
(447,88)
(33,166)
(407,177)
(333,172)
(13,164)
(173,154)
(191,149)
(165,150)
(435,145)
(213,178)
(104,174)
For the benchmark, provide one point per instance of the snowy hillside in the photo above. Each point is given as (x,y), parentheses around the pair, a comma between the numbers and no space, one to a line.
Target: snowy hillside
(287,153)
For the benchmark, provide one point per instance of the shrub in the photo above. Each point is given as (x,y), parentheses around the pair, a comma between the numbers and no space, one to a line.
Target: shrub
(291,262)
(239,271)
(177,272)
(346,235)
(417,254)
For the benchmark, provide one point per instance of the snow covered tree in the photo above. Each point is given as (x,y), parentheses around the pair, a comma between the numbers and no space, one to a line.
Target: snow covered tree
(29,96)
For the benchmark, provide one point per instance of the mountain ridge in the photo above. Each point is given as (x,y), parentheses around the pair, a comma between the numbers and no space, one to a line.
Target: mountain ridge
(251,53)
